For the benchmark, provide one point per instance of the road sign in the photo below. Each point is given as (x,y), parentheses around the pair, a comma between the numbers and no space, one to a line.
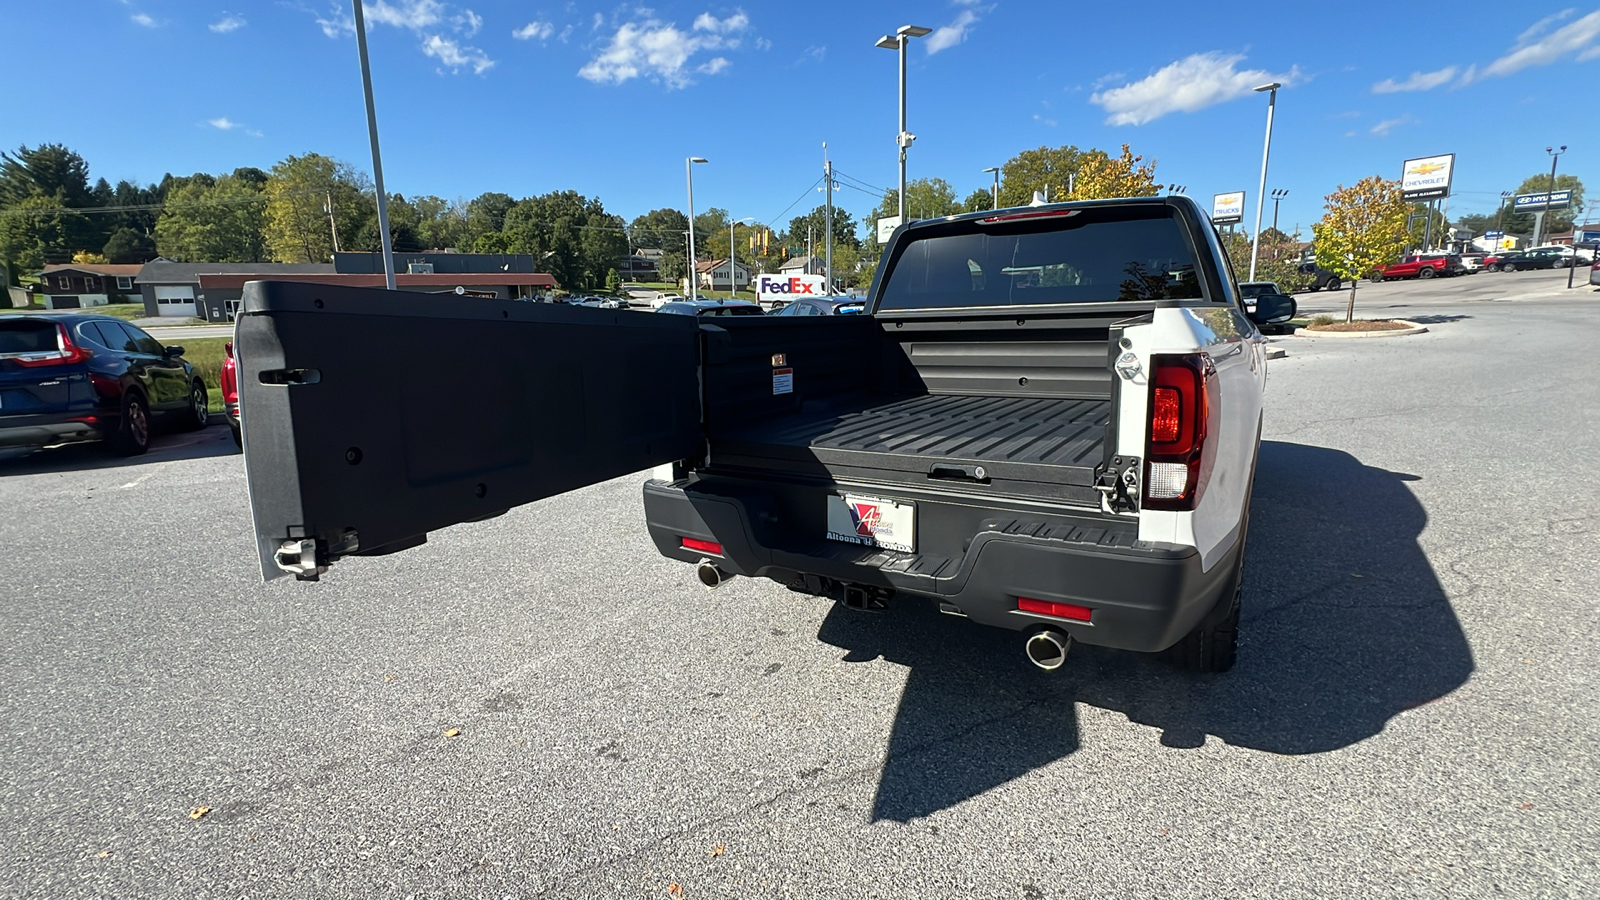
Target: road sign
(1227,209)
(1427,178)
(1537,202)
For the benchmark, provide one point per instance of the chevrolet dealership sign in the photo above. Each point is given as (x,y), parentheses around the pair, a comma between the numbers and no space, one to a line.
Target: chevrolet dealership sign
(1427,178)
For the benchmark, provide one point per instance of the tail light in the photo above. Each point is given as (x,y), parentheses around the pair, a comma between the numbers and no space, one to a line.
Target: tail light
(1069,611)
(1183,415)
(66,353)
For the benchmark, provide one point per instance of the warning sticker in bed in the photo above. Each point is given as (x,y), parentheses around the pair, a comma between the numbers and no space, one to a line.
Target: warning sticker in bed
(782,381)
(872,522)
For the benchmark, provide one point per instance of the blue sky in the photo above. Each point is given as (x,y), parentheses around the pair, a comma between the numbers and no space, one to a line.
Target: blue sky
(608,99)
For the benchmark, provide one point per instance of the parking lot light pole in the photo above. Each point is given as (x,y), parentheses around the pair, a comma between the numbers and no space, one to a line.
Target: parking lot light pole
(688,169)
(1543,230)
(377,162)
(898,42)
(996,171)
(1271,90)
(1277,197)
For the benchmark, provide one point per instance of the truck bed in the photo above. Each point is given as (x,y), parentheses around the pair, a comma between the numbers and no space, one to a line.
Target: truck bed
(1041,447)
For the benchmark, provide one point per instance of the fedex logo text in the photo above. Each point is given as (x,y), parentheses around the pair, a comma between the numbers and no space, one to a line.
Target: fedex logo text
(793,285)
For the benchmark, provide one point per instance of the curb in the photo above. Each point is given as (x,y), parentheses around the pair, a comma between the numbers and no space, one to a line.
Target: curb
(1413,328)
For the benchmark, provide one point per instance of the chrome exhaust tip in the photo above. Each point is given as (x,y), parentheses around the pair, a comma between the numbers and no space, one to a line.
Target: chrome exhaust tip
(1047,648)
(710,575)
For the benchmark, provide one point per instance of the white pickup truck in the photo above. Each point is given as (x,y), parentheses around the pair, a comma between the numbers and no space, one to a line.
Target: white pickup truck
(1047,421)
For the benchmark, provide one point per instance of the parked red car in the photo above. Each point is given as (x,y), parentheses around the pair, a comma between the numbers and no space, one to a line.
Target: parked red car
(229,381)
(1421,265)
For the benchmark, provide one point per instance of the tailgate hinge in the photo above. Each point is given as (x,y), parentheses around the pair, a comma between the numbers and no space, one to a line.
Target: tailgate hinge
(1118,483)
(307,558)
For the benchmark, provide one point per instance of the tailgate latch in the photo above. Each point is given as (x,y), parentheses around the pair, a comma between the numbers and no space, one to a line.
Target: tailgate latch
(1118,483)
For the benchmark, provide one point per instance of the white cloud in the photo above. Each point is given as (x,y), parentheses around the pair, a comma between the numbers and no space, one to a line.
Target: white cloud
(456,56)
(428,19)
(1387,125)
(143,19)
(228,23)
(662,51)
(468,22)
(1188,85)
(950,35)
(222,123)
(1535,47)
(535,30)
(565,35)
(1419,81)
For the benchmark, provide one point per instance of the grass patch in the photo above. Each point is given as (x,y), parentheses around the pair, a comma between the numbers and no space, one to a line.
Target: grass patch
(1321,321)
(206,355)
(123,311)
(1361,325)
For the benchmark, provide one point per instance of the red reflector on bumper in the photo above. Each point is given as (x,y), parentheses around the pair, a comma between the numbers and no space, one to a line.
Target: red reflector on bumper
(702,546)
(1070,611)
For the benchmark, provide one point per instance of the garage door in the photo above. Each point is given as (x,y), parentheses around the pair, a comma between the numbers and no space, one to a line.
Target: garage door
(175,301)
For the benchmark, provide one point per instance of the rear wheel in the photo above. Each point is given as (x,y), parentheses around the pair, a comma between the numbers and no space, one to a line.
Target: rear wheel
(1427,272)
(1376,278)
(1333,284)
(1213,645)
(1508,267)
(132,436)
(199,411)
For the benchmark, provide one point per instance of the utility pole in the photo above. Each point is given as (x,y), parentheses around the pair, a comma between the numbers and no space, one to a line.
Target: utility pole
(810,254)
(1555,156)
(1277,197)
(332,225)
(827,174)
(377,162)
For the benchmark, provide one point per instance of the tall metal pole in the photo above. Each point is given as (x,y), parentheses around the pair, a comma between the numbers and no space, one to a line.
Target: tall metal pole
(827,264)
(1555,156)
(996,171)
(688,174)
(1266,151)
(901,137)
(377,161)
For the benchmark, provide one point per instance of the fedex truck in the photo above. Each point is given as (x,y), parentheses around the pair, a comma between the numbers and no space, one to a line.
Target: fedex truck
(778,290)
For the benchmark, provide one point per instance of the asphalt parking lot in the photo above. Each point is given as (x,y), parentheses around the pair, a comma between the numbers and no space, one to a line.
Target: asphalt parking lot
(1413,712)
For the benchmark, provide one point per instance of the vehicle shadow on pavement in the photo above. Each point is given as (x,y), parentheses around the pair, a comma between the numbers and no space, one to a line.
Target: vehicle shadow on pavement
(165,446)
(1344,626)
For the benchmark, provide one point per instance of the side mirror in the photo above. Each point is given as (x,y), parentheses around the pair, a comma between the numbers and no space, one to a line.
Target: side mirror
(1273,309)
(170,352)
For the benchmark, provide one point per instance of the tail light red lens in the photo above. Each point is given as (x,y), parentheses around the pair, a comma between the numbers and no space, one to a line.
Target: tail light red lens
(1182,416)
(66,354)
(1069,611)
(700,546)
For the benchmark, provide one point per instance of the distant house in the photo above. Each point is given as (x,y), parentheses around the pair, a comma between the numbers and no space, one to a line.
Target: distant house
(640,267)
(212,291)
(84,286)
(714,275)
(802,265)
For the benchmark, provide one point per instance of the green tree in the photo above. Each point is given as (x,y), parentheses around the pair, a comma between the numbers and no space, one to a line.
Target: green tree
(1557,220)
(1418,217)
(129,245)
(613,281)
(926,198)
(297,228)
(844,229)
(213,220)
(977,201)
(1278,259)
(1363,227)
(486,213)
(659,229)
(38,229)
(1034,170)
(49,169)
(570,236)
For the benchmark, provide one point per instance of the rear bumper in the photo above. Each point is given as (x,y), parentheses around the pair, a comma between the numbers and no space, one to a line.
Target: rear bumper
(43,431)
(1143,595)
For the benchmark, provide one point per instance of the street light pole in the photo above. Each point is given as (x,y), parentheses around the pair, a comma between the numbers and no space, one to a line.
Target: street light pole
(1277,197)
(1555,156)
(688,171)
(1266,151)
(377,161)
(996,171)
(899,42)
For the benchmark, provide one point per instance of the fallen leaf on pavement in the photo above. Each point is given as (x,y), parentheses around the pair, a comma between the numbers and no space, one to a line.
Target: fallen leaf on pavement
(199,812)
(674,890)
(103,854)
(718,850)
(452,732)
(1524,806)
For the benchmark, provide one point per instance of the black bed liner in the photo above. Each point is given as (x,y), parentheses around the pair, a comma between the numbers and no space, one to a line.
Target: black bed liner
(1045,447)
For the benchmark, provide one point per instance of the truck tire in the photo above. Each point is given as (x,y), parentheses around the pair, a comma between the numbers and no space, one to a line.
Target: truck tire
(1508,267)
(1427,272)
(1213,645)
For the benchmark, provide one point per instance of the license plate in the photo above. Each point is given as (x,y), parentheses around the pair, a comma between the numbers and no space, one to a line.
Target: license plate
(871,522)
